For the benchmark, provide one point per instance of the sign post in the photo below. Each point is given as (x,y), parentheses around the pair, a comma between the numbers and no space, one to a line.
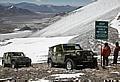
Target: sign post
(101,32)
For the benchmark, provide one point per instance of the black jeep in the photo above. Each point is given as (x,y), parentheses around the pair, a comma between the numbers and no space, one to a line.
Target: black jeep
(15,59)
(71,56)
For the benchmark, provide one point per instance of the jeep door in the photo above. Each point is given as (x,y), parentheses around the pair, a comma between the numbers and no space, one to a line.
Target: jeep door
(53,55)
(5,57)
(59,54)
(8,58)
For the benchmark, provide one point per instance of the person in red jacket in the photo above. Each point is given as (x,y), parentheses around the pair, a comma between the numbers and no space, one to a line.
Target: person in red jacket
(105,53)
(116,51)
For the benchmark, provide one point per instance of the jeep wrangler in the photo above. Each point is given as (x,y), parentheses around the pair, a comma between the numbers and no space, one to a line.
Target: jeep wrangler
(71,56)
(15,59)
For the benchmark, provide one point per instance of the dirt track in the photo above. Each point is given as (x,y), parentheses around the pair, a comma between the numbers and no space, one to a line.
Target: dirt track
(33,72)
(38,71)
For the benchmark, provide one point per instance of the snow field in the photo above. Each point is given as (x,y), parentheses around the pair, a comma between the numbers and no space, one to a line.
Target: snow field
(35,48)
(19,34)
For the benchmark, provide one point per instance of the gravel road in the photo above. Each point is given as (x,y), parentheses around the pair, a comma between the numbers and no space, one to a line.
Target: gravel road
(39,71)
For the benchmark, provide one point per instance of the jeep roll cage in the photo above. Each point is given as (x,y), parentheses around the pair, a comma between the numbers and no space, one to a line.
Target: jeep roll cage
(66,47)
(15,53)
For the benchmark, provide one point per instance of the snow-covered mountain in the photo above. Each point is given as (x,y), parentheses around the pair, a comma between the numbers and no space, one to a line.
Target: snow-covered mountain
(82,20)
(115,23)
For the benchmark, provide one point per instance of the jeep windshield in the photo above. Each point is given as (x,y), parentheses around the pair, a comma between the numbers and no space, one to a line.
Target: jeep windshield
(68,47)
(17,54)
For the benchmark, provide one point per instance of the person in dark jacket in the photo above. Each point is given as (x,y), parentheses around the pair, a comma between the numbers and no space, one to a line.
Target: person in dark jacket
(106,53)
(116,51)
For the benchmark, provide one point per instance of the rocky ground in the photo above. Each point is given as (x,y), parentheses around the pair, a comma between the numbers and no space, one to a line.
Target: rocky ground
(39,71)
(36,71)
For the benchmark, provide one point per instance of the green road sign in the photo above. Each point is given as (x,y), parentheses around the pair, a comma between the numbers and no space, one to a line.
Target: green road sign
(101,30)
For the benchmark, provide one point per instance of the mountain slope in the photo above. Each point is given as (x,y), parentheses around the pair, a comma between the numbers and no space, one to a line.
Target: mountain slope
(44,8)
(82,20)
(116,23)
(13,11)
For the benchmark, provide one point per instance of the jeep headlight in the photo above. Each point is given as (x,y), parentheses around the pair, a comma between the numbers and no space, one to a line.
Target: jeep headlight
(78,53)
(74,54)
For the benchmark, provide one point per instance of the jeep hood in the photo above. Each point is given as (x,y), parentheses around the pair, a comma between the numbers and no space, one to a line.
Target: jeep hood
(18,57)
(72,51)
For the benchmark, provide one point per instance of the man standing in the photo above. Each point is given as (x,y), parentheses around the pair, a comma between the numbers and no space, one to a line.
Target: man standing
(105,53)
(116,51)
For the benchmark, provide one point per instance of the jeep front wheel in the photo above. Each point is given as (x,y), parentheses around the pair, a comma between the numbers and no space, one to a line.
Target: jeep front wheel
(50,63)
(3,64)
(13,65)
(28,64)
(70,64)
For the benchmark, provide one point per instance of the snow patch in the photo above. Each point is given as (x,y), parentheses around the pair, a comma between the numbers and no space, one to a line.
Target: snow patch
(41,80)
(66,76)
(18,34)
(115,72)
(62,76)
(115,23)
(11,7)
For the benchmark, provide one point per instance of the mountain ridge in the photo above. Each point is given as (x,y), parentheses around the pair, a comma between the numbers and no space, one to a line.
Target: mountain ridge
(14,11)
(45,8)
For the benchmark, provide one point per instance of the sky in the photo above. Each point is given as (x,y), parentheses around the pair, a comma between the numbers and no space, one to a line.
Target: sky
(54,2)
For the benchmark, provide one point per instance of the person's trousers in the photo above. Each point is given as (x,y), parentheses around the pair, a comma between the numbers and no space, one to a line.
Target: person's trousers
(105,61)
(115,59)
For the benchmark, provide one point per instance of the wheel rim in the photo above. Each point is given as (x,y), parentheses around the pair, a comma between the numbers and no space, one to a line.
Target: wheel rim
(50,64)
(13,66)
(69,65)
(3,65)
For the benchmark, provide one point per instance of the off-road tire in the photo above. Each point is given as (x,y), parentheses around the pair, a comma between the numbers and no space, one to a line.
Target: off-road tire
(50,63)
(28,64)
(70,64)
(13,65)
(3,64)
(94,64)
